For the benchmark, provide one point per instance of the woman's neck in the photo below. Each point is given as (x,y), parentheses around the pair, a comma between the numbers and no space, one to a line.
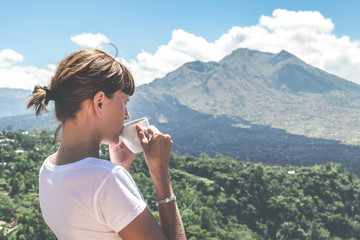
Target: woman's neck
(79,140)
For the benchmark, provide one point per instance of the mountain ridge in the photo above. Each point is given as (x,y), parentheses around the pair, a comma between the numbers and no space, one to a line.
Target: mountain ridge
(253,106)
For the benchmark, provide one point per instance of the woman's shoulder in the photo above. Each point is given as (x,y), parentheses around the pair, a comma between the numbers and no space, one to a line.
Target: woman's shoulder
(89,165)
(101,165)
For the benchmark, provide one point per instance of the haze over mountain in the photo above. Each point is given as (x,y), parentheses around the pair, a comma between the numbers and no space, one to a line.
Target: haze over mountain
(254,106)
(13,101)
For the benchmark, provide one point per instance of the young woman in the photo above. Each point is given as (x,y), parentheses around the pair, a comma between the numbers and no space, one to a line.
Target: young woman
(82,196)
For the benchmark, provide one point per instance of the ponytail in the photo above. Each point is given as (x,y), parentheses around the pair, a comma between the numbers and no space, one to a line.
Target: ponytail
(40,98)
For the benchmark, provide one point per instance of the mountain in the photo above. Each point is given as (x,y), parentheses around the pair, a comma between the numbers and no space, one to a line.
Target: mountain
(253,106)
(278,90)
(256,106)
(13,101)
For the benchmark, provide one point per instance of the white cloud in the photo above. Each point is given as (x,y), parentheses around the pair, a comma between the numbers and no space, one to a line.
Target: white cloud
(25,77)
(284,19)
(8,57)
(307,34)
(90,40)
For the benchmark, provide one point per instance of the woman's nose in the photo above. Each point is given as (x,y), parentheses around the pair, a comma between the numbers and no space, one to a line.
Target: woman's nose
(127,114)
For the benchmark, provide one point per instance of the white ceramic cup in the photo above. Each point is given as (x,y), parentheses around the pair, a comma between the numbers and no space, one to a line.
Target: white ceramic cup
(129,134)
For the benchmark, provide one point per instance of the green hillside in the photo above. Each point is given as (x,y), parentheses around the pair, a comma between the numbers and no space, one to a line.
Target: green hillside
(219,197)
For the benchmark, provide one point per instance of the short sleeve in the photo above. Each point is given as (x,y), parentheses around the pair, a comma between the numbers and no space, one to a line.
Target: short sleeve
(119,200)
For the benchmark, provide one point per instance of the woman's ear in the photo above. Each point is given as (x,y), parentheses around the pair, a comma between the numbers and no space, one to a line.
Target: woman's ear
(98,102)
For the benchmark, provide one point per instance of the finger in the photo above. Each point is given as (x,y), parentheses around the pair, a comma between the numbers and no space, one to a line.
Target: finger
(142,136)
(123,146)
(169,138)
(115,146)
(152,130)
(119,146)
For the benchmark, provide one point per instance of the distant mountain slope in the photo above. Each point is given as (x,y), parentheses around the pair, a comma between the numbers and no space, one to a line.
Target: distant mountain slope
(13,101)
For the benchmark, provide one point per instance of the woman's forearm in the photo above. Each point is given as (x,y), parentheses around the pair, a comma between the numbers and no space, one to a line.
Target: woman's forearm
(170,219)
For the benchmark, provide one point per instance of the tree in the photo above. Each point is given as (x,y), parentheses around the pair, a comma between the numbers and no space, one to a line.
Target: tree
(7,208)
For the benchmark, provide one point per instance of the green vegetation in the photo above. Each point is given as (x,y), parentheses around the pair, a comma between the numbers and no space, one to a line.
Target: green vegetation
(219,197)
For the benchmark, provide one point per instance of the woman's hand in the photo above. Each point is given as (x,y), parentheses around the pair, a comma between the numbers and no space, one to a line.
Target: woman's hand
(156,148)
(121,155)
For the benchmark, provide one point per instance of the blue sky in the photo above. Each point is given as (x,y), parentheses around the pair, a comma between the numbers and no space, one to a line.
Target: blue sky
(37,34)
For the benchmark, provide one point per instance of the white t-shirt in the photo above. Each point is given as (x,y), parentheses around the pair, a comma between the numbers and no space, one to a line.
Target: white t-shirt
(88,199)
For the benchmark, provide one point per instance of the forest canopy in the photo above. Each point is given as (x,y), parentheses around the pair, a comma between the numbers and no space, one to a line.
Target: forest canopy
(218,197)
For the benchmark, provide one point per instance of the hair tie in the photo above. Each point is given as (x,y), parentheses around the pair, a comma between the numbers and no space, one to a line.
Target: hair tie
(50,93)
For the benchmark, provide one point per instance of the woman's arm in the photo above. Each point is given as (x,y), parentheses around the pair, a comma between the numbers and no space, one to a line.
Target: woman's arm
(170,220)
(143,227)
(157,149)
(121,155)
